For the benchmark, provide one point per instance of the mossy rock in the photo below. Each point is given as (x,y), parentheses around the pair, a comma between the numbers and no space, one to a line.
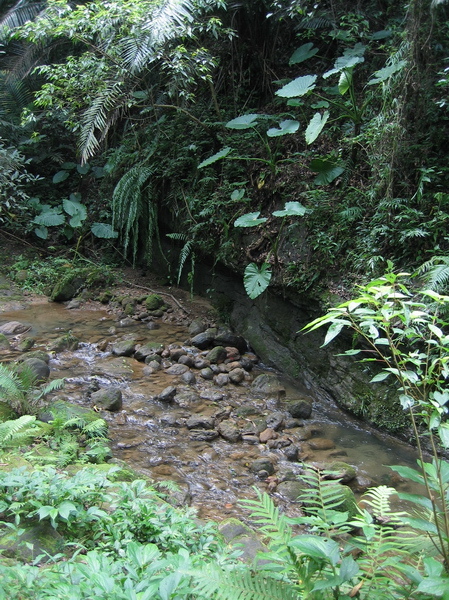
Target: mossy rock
(40,354)
(66,342)
(68,287)
(153,302)
(26,344)
(36,540)
(105,296)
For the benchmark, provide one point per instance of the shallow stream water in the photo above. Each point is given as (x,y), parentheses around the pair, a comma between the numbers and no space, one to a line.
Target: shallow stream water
(152,436)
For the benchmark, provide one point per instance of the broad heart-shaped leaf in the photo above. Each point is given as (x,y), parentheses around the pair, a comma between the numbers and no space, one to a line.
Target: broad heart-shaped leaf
(249,220)
(344,83)
(344,62)
(302,53)
(83,169)
(103,230)
(256,280)
(218,156)
(327,170)
(315,127)
(74,208)
(60,176)
(41,232)
(291,209)
(52,218)
(285,127)
(243,122)
(385,73)
(298,87)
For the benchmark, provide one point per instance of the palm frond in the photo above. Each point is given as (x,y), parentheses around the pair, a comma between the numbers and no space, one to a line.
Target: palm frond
(21,13)
(98,118)
(214,582)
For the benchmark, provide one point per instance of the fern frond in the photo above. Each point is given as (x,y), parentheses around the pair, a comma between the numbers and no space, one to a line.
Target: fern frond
(10,384)
(269,518)
(54,385)
(97,428)
(435,272)
(213,582)
(17,431)
(322,495)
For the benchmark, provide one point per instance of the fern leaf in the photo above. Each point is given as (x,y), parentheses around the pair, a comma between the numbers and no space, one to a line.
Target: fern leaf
(271,522)
(214,582)
(17,430)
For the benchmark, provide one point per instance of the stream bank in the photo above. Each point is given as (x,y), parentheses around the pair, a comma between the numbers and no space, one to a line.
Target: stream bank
(217,424)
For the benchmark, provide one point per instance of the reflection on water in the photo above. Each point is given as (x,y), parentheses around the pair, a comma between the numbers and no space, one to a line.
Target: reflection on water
(152,435)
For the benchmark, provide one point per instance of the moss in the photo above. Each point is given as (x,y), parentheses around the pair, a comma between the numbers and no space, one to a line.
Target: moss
(153,302)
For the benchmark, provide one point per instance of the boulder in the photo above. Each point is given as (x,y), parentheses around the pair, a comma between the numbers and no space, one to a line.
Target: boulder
(197,326)
(4,342)
(153,302)
(149,349)
(124,348)
(25,344)
(64,342)
(300,408)
(203,340)
(108,399)
(177,369)
(237,375)
(200,422)
(268,384)
(229,430)
(167,394)
(291,489)
(321,444)
(39,368)
(14,328)
(340,470)
(227,338)
(262,464)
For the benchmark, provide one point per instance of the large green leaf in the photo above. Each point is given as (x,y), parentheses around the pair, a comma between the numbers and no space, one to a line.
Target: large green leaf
(74,208)
(285,127)
(218,156)
(243,122)
(256,279)
(298,87)
(41,232)
(52,218)
(385,73)
(83,169)
(315,127)
(249,220)
(347,61)
(291,209)
(303,53)
(60,176)
(103,230)
(327,171)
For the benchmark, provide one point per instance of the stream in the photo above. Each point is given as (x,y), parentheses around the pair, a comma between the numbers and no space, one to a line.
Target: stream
(152,436)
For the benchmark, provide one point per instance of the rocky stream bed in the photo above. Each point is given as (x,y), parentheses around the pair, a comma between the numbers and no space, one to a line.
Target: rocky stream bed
(187,400)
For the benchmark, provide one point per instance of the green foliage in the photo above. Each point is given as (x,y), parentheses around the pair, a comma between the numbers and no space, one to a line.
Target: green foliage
(19,388)
(19,431)
(256,279)
(405,334)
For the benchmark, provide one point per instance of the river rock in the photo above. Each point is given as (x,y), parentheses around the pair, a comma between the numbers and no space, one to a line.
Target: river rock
(300,408)
(65,342)
(213,395)
(26,344)
(38,367)
(148,349)
(67,287)
(117,367)
(186,398)
(275,420)
(262,464)
(196,327)
(167,394)
(176,353)
(40,354)
(186,359)
(4,342)
(221,379)
(108,399)
(217,355)
(291,453)
(321,444)
(188,377)
(268,384)
(291,489)
(340,470)
(229,430)
(177,369)
(14,328)
(200,422)
(201,363)
(203,435)
(124,348)
(227,338)
(203,340)
(267,434)
(31,541)
(153,302)
(207,374)
(237,375)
